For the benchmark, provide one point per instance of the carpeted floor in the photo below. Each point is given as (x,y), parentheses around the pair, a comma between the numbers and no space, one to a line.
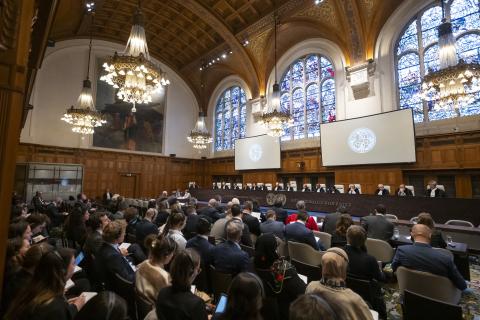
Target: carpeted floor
(470,302)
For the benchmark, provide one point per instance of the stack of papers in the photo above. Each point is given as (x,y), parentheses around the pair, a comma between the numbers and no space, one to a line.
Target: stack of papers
(304,278)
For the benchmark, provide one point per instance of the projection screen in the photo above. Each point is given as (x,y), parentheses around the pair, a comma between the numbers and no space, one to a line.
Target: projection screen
(382,138)
(260,152)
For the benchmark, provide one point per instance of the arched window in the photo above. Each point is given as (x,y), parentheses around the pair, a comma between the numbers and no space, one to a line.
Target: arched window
(417,53)
(308,92)
(230,118)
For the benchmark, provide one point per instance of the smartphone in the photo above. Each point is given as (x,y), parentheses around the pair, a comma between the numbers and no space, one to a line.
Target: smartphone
(79,258)
(222,304)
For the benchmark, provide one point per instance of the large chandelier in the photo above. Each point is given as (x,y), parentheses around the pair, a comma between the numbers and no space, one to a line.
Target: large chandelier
(132,73)
(84,118)
(273,118)
(454,85)
(200,136)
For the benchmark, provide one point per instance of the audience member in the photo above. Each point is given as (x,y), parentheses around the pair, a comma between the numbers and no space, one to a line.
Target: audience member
(437,240)
(364,266)
(106,305)
(54,212)
(218,228)
(200,242)
(345,303)
(191,225)
(403,191)
(163,213)
(330,221)
(434,192)
(339,237)
(281,213)
(311,306)
(211,211)
(280,279)
(111,258)
(94,240)
(132,218)
(16,250)
(277,228)
(228,257)
(177,301)
(43,298)
(146,227)
(151,276)
(37,202)
(20,229)
(38,224)
(121,207)
(247,218)
(245,297)
(422,257)
(298,232)
(301,207)
(381,190)
(377,225)
(173,229)
(75,226)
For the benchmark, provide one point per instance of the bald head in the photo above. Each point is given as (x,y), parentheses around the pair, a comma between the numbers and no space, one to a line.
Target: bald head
(421,233)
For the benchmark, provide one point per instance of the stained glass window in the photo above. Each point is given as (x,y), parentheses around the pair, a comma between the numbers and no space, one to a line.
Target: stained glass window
(417,54)
(308,92)
(230,118)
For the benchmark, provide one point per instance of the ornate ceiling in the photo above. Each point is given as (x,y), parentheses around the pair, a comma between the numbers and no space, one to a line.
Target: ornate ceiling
(185,33)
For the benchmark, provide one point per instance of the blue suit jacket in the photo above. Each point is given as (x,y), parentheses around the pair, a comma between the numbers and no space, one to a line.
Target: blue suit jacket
(297,232)
(423,257)
(275,227)
(111,261)
(203,247)
(229,258)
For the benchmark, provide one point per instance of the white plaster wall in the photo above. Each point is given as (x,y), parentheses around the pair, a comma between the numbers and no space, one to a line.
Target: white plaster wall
(58,85)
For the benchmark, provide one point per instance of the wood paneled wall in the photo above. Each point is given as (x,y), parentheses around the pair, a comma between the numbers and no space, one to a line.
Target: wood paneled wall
(140,175)
(456,154)
(453,155)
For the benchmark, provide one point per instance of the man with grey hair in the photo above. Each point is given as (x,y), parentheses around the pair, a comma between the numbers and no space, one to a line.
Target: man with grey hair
(211,211)
(228,257)
(433,191)
(381,190)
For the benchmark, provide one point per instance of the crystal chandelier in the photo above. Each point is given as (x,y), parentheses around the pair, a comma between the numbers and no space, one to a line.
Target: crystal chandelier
(454,85)
(133,73)
(85,118)
(200,136)
(274,119)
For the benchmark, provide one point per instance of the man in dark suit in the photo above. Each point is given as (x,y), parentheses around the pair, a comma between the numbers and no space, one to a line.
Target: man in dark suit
(330,221)
(277,187)
(228,257)
(247,187)
(273,226)
(381,191)
(162,214)
(200,241)
(403,191)
(422,257)
(190,229)
(94,240)
(377,226)
(434,192)
(333,189)
(37,202)
(193,185)
(54,213)
(252,222)
(237,187)
(215,186)
(256,187)
(281,213)
(264,187)
(352,189)
(111,258)
(211,211)
(146,227)
(306,188)
(298,232)
(318,188)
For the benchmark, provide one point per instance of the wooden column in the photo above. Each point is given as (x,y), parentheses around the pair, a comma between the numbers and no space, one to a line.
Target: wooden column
(15,28)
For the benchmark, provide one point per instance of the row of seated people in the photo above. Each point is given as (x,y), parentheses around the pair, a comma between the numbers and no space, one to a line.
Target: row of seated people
(230,229)
(432,190)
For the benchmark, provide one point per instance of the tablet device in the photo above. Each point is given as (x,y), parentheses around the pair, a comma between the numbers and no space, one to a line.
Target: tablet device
(222,304)
(79,258)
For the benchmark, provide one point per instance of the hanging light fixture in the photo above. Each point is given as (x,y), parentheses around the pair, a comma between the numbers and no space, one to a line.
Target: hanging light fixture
(199,136)
(84,118)
(274,119)
(454,85)
(133,73)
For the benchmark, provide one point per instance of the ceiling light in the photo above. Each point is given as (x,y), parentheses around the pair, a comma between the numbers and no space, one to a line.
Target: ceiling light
(199,136)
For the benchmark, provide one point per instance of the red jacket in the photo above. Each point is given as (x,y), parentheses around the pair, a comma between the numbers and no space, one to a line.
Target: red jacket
(311,223)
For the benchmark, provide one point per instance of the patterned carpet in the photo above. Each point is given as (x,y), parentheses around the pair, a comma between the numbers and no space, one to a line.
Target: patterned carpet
(470,302)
